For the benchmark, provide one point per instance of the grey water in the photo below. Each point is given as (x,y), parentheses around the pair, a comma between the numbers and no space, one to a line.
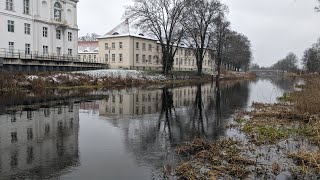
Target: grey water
(118,134)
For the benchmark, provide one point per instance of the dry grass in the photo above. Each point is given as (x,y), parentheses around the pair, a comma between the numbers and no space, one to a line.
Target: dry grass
(221,157)
(308,99)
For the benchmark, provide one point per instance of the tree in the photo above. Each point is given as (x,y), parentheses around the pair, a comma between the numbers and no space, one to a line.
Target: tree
(254,66)
(317,8)
(289,63)
(311,58)
(161,19)
(221,32)
(89,37)
(198,22)
(238,52)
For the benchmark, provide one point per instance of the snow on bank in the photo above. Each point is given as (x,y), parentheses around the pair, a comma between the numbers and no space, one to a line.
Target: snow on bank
(134,74)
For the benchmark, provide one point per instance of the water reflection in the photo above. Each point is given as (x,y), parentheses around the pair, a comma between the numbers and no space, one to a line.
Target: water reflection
(125,134)
(40,143)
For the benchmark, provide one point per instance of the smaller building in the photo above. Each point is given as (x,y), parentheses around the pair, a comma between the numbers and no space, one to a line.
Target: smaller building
(88,51)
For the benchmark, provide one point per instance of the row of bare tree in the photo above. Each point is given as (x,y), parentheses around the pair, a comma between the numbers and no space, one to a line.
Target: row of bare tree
(200,24)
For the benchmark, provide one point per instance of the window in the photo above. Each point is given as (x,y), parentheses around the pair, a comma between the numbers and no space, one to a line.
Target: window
(11,47)
(9,5)
(27,28)
(90,57)
(113,45)
(106,46)
(26,6)
(143,46)
(137,58)
(120,58)
(106,57)
(45,32)
(177,60)
(70,52)
(150,58)
(10,26)
(120,45)
(69,36)
(120,99)
(143,58)
(29,134)
(137,46)
(57,11)
(45,49)
(113,57)
(14,137)
(27,48)
(58,51)
(94,57)
(58,34)
(150,47)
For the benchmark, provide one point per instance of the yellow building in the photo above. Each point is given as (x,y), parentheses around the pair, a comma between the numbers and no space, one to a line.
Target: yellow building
(126,48)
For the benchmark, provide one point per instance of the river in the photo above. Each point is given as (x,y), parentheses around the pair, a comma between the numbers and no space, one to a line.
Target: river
(118,134)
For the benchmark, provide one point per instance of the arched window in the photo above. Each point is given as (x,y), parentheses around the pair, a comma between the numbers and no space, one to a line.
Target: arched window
(57,11)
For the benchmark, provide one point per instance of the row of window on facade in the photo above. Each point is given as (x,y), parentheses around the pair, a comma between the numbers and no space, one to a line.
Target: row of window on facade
(57,8)
(26,6)
(189,62)
(27,30)
(45,49)
(113,46)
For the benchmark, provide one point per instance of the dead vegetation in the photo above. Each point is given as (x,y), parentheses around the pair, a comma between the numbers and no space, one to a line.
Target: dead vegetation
(208,160)
(290,128)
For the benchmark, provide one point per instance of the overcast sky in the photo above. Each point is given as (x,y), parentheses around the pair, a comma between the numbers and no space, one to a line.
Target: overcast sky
(275,27)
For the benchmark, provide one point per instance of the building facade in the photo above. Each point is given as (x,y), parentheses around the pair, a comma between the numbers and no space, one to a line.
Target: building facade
(39,27)
(124,49)
(88,51)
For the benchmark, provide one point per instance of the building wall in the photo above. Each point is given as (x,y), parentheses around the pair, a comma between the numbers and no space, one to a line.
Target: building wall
(92,57)
(41,15)
(30,139)
(148,58)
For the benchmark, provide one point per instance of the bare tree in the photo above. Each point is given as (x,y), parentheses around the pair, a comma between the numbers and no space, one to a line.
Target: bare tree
(160,18)
(238,52)
(198,21)
(311,58)
(89,37)
(221,33)
(317,8)
(289,63)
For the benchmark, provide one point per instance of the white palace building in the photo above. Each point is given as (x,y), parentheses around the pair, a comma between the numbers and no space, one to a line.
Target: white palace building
(39,34)
(42,26)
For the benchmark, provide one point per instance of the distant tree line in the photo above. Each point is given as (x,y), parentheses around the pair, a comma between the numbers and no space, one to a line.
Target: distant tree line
(89,37)
(201,24)
(311,58)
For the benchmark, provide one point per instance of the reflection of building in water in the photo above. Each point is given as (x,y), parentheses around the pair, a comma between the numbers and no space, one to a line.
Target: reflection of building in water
(39,143)
(149,101)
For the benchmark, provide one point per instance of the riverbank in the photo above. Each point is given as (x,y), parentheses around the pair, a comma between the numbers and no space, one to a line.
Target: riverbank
(271,141)
(102,79)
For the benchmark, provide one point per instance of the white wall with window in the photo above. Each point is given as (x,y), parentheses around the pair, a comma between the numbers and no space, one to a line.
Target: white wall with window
(34,22)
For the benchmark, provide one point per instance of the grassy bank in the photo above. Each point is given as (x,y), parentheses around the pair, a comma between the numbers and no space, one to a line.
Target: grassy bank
(272,141)
(96,79)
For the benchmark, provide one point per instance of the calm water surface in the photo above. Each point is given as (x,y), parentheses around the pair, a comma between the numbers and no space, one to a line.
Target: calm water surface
(118,134)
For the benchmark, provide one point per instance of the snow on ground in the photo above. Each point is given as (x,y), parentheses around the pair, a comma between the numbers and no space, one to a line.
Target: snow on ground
(134,74)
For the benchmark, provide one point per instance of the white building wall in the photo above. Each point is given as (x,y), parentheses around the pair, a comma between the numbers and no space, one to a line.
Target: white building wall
(41,15)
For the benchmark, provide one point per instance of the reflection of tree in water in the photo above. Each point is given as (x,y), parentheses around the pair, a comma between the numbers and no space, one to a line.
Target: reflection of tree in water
(285,84)
(155,139)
